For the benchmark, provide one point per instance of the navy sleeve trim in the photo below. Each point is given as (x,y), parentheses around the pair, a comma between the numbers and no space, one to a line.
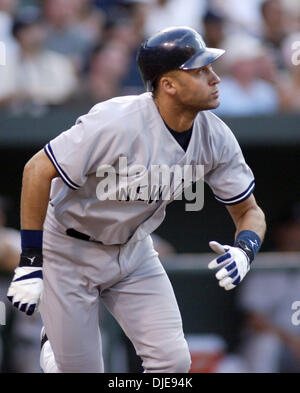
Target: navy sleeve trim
(239,198)
(48,150)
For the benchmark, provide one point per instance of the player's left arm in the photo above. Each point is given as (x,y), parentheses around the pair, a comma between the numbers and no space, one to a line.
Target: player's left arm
(234,261)
(247,215)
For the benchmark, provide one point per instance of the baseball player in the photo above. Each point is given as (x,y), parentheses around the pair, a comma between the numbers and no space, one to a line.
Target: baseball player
(92,241)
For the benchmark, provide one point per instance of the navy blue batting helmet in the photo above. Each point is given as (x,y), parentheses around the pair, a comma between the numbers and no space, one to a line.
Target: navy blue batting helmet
(178,47)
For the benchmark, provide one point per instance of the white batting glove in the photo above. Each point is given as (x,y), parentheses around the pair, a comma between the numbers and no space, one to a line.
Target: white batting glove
(234,264)
(26,288)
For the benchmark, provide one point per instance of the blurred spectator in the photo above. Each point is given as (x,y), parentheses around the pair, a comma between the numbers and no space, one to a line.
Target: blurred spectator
(165,13)
(242,15)
(214,25)
(9,259)
(38,77)
(22,353)
(274,30)
(124,25)
(65,21)
(120,26)
(7,12)
(242,91)
(292,9)
(90,22)
(271,343)
(286,233)
(214,29)
(266,68)
(108,66)
(9,242)
(289,81)
(139,10)
(105,5)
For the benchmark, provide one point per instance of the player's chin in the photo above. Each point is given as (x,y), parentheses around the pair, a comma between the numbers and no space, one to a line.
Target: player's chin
(212,104)
(215,100)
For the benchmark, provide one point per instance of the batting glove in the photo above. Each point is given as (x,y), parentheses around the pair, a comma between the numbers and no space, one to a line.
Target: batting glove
(27,285)
(234,264)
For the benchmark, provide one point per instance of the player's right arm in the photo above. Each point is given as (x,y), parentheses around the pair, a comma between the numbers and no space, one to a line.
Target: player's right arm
(37,176)
(27,285)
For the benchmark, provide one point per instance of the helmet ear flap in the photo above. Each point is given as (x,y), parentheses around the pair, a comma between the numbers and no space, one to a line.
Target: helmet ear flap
(149,86)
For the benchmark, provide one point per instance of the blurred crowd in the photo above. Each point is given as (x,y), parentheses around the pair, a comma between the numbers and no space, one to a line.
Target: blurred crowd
(19,336)
(66,52)
(270,340)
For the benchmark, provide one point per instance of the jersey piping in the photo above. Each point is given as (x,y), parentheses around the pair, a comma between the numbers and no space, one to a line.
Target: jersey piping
(239,198)
(61,172)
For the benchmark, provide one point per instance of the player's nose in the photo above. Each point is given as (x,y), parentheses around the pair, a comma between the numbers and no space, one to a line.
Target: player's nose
(214,78)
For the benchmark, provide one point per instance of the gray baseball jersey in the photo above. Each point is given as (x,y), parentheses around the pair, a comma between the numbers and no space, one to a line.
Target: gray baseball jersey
(131,128)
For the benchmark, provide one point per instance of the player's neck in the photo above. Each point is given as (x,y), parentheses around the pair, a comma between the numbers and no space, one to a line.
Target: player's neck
(174,116)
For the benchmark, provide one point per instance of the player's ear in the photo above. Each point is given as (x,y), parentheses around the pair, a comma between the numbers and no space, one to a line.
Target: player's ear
(167,85)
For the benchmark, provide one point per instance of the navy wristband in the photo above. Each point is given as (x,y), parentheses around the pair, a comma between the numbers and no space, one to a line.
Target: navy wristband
(31,239)
(249,242)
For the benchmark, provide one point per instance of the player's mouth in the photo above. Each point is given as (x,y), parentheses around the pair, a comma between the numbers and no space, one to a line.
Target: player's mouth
(215,94)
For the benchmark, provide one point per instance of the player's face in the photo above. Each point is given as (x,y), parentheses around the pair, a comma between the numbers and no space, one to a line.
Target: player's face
(197,88)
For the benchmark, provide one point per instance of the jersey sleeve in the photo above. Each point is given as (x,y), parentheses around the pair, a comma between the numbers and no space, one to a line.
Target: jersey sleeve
(77,152)
(230,179)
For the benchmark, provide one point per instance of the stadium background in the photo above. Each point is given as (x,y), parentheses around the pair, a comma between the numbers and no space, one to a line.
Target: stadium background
(98,41)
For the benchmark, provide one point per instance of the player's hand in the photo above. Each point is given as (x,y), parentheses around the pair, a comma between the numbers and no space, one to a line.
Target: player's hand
(27,285)
(233,262)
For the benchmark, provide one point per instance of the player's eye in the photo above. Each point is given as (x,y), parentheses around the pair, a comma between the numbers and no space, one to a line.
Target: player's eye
(207,69)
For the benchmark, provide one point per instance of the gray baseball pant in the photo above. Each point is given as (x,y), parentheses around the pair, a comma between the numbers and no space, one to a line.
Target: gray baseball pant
(134,287)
